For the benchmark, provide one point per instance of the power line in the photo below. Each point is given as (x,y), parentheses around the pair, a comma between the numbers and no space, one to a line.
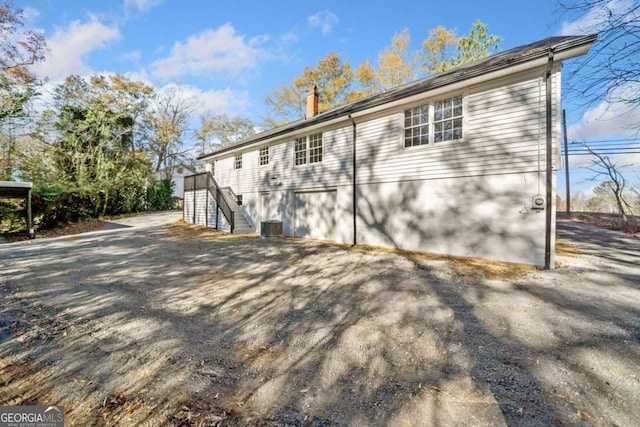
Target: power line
(601,144)
(600,152)
(606,140)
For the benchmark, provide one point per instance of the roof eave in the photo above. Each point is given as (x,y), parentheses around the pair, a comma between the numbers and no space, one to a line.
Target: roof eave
(565,49)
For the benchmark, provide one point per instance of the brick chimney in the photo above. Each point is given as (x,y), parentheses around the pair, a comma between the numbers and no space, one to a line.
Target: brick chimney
(312,102)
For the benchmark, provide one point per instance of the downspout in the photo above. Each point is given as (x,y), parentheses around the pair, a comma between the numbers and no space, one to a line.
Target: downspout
(354,189)
(206,204)
(549,166)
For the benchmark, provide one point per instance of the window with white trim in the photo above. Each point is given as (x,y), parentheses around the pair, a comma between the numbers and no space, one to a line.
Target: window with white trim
(435,122)
(263,156)
(315,148)
(237,163)
(447,119)
(416,126)
(307,149)
(300,151)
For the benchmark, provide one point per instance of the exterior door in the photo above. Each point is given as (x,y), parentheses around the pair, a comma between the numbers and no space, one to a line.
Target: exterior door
(268,207)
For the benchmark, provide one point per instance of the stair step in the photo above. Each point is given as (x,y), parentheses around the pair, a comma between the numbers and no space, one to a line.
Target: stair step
(243,231)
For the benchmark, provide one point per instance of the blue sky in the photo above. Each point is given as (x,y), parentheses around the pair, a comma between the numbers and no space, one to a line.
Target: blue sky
(233,53)
(230,54)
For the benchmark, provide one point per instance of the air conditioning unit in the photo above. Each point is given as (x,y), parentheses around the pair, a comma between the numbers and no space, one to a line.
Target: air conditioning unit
(538,202)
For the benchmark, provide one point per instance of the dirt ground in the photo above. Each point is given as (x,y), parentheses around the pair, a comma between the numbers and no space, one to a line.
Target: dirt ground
(146,322)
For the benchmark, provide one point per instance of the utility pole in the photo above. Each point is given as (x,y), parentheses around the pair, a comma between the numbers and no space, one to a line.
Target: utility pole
(566,161)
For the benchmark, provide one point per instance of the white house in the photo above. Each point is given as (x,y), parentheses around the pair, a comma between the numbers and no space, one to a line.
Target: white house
(176,174)
(463,163)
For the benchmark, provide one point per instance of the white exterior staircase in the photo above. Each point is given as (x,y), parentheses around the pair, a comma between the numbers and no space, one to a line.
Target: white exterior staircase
(242,225)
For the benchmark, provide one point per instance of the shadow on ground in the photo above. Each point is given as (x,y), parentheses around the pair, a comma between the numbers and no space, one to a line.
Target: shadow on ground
(141,325)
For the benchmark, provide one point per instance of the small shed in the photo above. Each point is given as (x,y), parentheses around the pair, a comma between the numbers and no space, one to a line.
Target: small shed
(19,190)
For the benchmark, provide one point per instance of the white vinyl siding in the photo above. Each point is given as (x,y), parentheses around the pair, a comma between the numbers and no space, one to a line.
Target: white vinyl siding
(334,169)
(442,197)
(203,207)
(503,124)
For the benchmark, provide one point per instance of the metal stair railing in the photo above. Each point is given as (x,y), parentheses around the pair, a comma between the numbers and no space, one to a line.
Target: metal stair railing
(206,181)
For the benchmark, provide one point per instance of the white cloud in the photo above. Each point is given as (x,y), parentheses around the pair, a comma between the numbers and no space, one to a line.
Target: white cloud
(134,55)
(30,14)
(212,51)
(289,37)
(68,46)
(607,119)
(594,17)
(228,101)
(142,5)
(325,21)
(138,76)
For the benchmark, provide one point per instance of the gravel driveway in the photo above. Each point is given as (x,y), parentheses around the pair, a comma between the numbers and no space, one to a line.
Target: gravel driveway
(140,324)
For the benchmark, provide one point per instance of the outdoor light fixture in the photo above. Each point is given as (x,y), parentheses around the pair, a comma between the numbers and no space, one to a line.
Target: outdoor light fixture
(274,181)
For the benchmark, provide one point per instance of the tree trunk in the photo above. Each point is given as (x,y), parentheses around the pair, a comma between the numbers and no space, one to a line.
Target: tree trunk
(621,210)
(106,201)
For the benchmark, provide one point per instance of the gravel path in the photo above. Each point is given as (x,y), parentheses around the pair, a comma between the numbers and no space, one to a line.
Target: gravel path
(140,324)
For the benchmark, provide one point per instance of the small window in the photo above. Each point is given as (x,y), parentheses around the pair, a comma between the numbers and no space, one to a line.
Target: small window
(447,119)
(416,126)
(315,148)
(239,199)
(300,151)
(263,158)
(237,164)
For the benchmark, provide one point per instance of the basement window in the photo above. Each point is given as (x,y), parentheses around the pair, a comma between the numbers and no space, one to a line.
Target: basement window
(237,164)
(239,199)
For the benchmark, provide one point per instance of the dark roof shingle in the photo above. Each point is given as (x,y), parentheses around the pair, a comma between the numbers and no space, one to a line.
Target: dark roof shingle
(492,63)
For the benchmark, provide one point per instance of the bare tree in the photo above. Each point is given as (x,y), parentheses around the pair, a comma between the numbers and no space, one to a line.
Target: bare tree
(167,124)
(611,70)
(18,50)
(603,167)
(218,131)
